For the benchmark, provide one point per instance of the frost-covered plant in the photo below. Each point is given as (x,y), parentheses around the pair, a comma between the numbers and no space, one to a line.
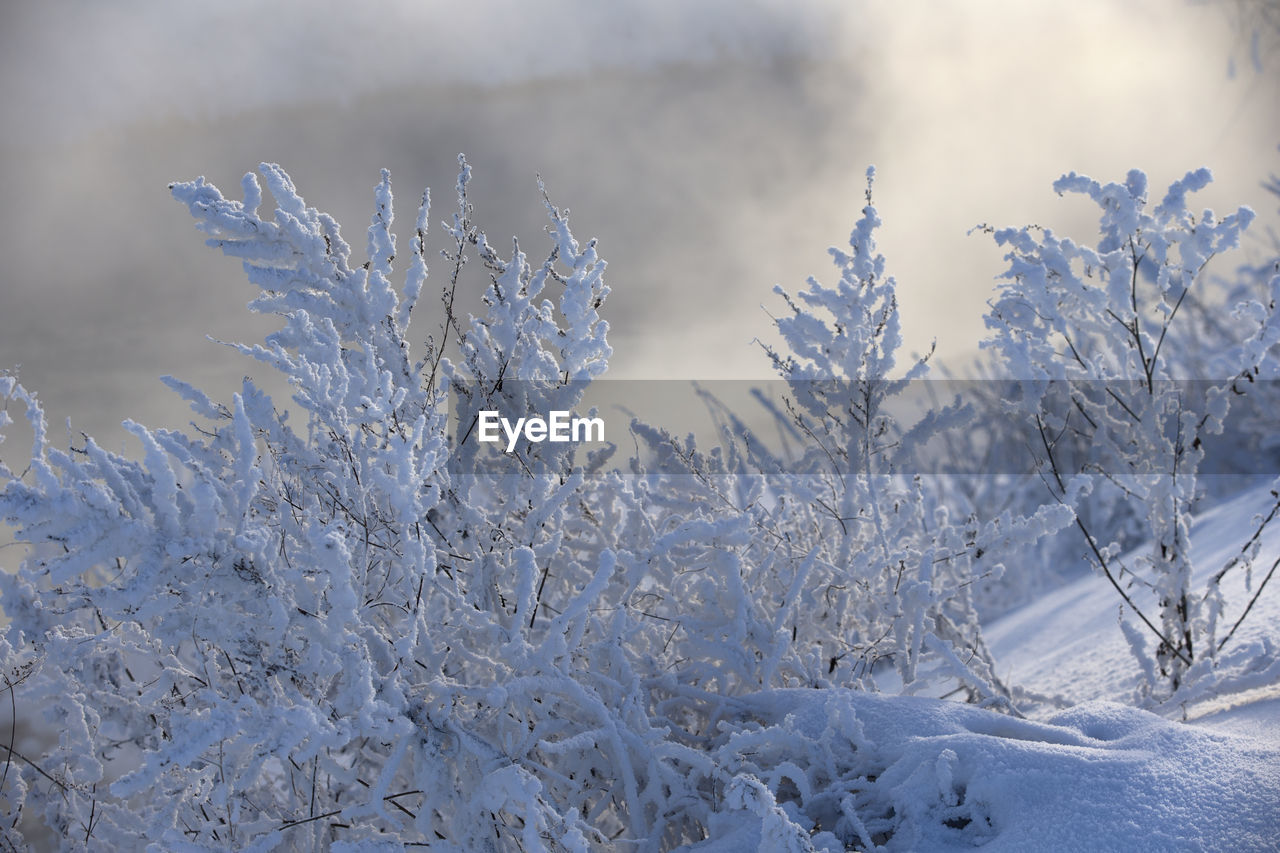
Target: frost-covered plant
(341,625)
(836,564)
(904,564)
(267,637)
(1096,331)
(988,472)
(352,633)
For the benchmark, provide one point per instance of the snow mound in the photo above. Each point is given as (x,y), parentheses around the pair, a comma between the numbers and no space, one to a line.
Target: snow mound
(818,770)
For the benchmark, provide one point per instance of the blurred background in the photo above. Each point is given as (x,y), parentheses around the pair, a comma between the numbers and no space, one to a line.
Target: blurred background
(715,148)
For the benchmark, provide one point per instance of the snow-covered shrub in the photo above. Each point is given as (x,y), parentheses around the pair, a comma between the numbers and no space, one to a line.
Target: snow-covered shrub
(262,636)
(908,563)
(901,582)
(356,630)
(341,624)
(990,472)
(836,564)
(1115,397)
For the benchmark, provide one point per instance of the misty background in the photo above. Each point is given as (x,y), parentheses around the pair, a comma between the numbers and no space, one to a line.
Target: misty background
(715,148)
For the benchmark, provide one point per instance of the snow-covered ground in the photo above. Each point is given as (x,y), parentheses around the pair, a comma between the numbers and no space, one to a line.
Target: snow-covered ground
(1087,771)
(1101,776)
(1140,782)
(1069,644)
(1099,773)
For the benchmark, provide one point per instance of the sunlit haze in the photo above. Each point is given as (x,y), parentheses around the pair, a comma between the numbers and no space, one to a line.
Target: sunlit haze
(715,149)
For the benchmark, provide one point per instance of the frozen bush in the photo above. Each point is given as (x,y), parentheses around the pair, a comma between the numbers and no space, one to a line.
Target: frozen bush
(1114,398)
(339,623)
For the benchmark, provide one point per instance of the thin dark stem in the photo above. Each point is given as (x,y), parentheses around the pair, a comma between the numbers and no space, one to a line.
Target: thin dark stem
(1097,552)
(1261,586)
(1106,570)
(1238,558)
(13,732)
(88,828)
(1169,322)
(1148,367)
(1123,405)
(13,753)
(450,318)
(546,570)
(389,798)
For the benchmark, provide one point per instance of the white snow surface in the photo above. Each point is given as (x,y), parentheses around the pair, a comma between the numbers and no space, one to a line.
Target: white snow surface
(1100,777)
(1201,771)
(1069,644)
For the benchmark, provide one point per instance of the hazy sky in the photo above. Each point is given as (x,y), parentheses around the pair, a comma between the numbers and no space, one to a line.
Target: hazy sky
(715,148)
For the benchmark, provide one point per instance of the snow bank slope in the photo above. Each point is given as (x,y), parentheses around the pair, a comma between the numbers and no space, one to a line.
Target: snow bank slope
(1069,644)
(819,770)
(904,773)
